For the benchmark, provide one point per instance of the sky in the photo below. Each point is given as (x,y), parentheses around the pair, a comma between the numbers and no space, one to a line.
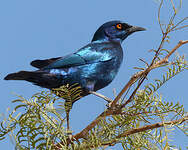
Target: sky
(41,29)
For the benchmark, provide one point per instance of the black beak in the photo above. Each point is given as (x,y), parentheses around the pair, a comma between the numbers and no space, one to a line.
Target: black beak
(135,29)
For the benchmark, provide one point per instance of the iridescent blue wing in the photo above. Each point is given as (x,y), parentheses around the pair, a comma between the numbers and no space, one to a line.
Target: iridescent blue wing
(86,55)
(42,63)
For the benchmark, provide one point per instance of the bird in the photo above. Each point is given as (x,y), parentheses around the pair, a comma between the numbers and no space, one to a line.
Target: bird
(93,66)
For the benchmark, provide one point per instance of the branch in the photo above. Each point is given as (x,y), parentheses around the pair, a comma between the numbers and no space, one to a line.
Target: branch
(153,126)
(142,129)
(165,59)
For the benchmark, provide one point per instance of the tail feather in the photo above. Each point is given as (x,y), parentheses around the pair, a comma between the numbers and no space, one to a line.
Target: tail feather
(21,75)
(40,78)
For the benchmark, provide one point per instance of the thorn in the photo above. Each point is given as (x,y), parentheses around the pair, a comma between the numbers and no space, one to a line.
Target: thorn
(144,61)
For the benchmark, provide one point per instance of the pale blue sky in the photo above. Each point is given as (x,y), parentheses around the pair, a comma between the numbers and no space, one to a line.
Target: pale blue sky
(40,29)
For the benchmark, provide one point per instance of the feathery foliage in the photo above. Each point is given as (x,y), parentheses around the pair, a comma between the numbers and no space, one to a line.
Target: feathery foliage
(70,93)
(36,123)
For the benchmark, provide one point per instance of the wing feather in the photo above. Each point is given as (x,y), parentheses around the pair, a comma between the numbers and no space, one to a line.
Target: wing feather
(86,55)
(42,63)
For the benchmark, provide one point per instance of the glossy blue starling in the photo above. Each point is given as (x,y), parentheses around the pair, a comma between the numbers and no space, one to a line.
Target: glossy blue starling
(93,67)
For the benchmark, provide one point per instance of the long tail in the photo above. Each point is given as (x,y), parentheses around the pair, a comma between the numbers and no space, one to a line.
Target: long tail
(40,78)
(21,75)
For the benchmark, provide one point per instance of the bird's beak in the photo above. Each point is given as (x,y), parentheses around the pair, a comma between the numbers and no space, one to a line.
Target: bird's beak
(135,29)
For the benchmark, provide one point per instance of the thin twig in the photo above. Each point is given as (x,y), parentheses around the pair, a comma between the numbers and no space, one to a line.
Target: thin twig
(179,28)
(134,92)
(144,61)
(159,18)
(165,59)
(180,22)
(173,6)
(131,81)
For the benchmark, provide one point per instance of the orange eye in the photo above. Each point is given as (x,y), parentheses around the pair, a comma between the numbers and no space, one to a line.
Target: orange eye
(119,26)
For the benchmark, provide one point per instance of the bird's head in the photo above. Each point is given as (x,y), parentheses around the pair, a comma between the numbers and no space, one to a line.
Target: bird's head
(115,31)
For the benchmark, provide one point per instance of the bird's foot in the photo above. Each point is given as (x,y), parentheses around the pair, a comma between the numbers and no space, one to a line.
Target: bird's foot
(114,108)
(109,105)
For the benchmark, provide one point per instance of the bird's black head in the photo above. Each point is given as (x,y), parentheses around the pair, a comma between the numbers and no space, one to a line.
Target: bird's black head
(115,31)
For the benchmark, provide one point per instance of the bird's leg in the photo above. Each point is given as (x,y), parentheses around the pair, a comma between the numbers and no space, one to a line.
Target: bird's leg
(105,98)
(91,86)
(101,96)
